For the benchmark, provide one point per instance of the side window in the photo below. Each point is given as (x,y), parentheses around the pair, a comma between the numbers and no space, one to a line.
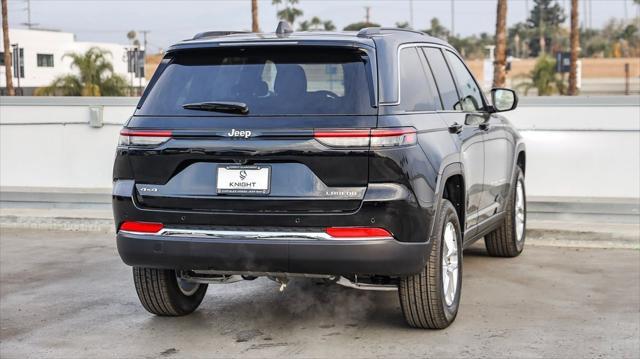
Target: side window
(417,92)
(446,86)
(469,91)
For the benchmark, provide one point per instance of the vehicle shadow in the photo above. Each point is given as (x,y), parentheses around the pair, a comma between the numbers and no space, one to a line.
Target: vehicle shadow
(258,304)
(255,305)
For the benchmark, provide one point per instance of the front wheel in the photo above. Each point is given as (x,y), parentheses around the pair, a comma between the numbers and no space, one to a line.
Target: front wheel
(430,299)
(508,239)
(163,292)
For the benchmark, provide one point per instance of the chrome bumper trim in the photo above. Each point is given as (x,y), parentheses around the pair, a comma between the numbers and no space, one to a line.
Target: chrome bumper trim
(222,234)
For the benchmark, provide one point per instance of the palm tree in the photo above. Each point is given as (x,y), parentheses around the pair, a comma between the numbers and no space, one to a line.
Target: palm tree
(289,13)
(95,77)
(315,22)
(575,43)
(254,16)
(329,26)
(304,26)
(543,78)
(7,52)
(499,65)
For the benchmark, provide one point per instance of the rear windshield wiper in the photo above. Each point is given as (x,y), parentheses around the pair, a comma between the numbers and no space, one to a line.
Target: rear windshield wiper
(218,106)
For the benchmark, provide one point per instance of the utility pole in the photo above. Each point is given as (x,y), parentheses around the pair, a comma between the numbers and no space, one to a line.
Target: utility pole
(367,10)
(453,18)
(144,38)
(585,9)
(29,24)
(411,13)
(626,14)
(590,14)
(7,53)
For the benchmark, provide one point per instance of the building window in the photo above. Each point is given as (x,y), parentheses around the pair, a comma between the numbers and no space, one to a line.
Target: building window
(1,58)
(45,60)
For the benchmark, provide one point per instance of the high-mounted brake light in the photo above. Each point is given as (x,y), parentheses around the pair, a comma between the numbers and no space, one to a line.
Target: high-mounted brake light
(358,232)
(143,137)
(141,227)
(378,137)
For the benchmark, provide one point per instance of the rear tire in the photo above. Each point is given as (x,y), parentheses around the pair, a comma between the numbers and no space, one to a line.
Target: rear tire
(508,239)
(424,300)
(161,293)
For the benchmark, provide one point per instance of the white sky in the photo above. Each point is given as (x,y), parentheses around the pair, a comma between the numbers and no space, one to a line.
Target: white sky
(172,20)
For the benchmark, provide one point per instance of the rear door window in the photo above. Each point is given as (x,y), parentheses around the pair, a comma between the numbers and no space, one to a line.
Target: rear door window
(444,79)
(417,90)
(271,81)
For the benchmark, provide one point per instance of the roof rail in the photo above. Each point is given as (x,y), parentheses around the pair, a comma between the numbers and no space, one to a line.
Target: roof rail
(371,31)
(202,35)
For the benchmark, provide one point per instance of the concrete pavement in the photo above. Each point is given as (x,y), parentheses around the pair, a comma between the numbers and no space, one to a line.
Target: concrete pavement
(66,294)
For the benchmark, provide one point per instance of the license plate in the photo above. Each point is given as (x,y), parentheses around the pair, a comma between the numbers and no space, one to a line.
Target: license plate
(244,179)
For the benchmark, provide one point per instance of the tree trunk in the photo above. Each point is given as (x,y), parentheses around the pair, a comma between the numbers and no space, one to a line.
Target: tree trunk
(255,27)
(7,50)
(499,65)
(575,43)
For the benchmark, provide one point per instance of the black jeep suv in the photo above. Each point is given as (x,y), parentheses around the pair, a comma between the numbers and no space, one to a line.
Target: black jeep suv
(369,160)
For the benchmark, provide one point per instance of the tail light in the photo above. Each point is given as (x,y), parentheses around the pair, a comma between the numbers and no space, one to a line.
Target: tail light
(143,137)
(141,227)
(358,232)
(377,138)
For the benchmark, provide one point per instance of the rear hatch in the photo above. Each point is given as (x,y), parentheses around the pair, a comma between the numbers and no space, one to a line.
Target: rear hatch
(255,129)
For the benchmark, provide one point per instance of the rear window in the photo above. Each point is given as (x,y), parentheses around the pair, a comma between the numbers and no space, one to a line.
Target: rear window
(270,81)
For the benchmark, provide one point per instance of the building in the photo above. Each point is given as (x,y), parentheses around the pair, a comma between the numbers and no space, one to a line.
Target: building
(42,59)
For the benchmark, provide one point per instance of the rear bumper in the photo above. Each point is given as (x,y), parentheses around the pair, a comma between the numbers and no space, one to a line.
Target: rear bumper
(287,255)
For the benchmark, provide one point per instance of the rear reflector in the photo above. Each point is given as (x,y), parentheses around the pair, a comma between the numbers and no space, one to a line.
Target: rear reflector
(143,137)
(142,227)
(378,137)
(357,232)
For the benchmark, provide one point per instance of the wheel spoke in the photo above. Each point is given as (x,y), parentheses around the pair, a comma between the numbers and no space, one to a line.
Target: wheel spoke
(449,258)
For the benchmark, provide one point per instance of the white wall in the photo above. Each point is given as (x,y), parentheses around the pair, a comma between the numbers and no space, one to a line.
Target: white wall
(581,147)
(576,147)
(57,43)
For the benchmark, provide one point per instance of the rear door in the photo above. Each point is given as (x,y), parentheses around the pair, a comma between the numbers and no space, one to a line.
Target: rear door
(472,103)
(302,146)
(469,136)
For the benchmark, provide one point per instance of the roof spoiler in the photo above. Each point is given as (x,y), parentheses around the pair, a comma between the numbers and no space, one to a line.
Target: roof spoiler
(372,31)
(205,34)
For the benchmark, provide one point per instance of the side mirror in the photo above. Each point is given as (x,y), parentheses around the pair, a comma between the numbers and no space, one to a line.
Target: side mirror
(503,99)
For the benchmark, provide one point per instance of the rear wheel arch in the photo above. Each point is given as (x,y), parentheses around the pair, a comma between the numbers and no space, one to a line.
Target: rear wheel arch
(452,188)
(521,160)
(454,191)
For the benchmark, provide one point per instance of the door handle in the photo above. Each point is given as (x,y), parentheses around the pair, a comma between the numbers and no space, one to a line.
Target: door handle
(455,128)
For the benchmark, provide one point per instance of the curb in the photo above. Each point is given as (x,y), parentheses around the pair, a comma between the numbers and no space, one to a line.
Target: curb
(535,236)
(58,223)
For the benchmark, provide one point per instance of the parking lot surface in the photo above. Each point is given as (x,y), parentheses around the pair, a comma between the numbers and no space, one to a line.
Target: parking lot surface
(67,294)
